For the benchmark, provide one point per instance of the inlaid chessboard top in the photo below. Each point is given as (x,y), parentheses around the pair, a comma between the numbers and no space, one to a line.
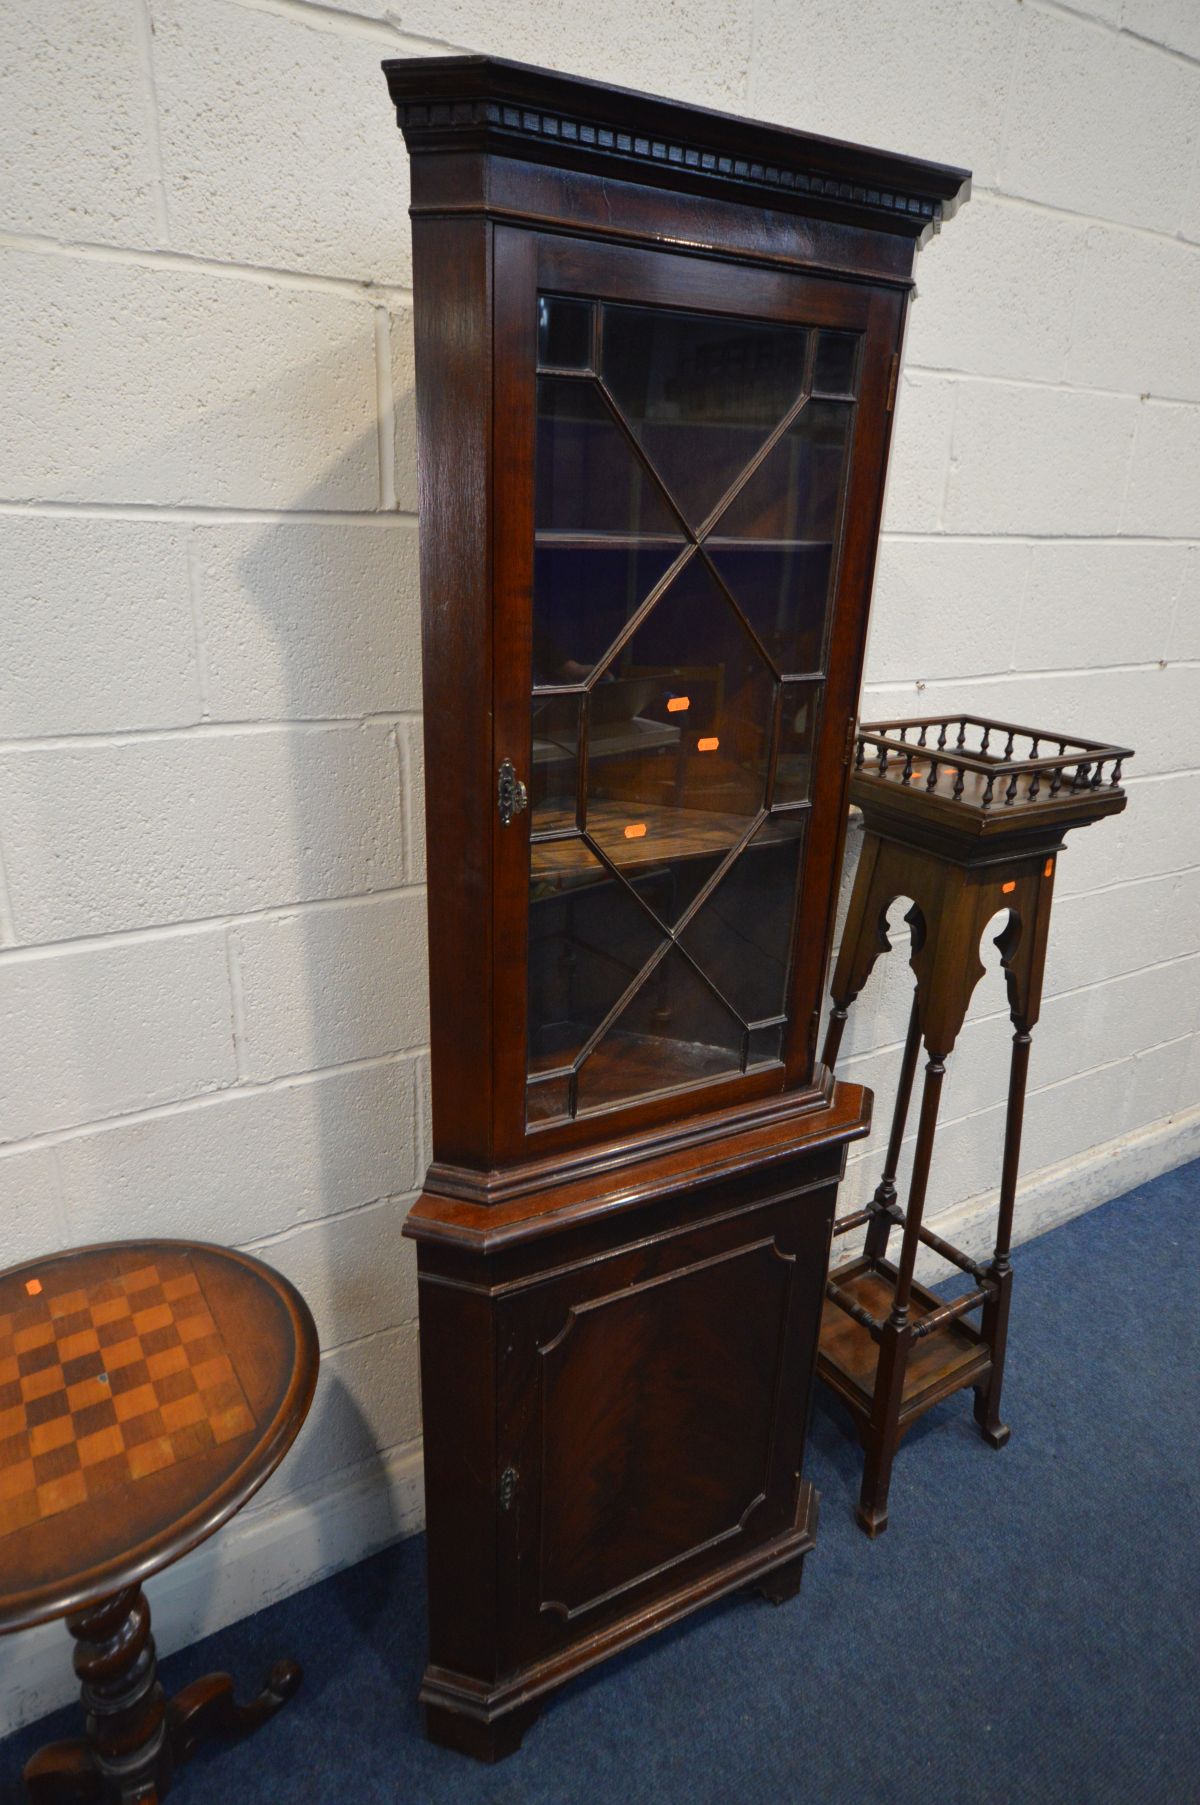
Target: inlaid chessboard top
(146,1389)
(985,776)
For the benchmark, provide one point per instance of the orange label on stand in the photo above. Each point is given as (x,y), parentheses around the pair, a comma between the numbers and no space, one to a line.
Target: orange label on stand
(637,831)
(709,745)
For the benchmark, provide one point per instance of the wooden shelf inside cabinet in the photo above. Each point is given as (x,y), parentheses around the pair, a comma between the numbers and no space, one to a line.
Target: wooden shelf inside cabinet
(656,360)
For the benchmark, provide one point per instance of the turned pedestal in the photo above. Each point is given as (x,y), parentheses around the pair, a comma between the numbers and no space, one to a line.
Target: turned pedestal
(147,1389)
(965,817)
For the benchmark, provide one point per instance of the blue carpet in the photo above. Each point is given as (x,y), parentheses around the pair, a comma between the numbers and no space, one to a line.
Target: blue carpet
(1027,1630)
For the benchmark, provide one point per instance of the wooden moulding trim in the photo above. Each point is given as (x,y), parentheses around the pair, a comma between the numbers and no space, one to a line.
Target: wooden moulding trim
(501,1183)
(487,1228)
(475,102)
(1056,815)
(475,1699)
(47,1601)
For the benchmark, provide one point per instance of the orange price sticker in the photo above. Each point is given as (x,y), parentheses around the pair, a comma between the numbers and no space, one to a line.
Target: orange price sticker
(1008,888)
(636,830)
(33,1286)
(678,704)
(1049,871)
(709,745)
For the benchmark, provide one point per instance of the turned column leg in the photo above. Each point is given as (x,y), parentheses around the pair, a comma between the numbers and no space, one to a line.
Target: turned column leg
(994,1327)
(884,1429)
(884,1200)
(125,1756)
(135,1740)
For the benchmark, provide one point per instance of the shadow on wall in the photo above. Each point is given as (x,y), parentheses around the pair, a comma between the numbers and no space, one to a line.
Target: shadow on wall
(311,1147)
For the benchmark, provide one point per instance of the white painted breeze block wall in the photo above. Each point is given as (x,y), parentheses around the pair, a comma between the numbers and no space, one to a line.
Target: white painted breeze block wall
(212,981)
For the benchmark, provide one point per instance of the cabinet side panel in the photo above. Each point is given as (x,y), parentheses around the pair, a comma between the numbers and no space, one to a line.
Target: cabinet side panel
(459,1407)
(453,296)
(847,651)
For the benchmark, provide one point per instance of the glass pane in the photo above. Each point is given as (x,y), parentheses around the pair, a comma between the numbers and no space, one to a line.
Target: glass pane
(549,1099)
(589,477)
(701,392)
(765,1045)
(685,649)
(588,940)
(834,371)
(583,597)
(794,492)
(672,1032)
(783,591)
(554,764)
(797,729)
(605,535)
(741,936)
(565,332)
(681,724)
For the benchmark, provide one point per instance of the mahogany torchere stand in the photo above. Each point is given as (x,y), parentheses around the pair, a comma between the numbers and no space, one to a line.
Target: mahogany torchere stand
(656,352)
(147,1389)
(965,816)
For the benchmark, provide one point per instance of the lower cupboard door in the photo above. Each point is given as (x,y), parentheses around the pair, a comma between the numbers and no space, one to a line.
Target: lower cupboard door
(657,1419)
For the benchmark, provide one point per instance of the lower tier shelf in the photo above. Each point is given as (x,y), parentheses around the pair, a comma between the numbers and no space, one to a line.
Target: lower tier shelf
(940,1364)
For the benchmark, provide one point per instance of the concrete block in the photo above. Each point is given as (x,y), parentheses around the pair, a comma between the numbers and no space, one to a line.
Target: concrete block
(945,607)
(368,1400)
(77,158)
(404,407)
(305,622)
(98,629)
(412,748)
(1159,832)
(1104,125)
(1099,604)
(125,383)
(356,1272)
(699,52)
(1184,640)
(1189,224)
(182,828)
(279,144)
(994,298)
(931,81)
(328,985)
(1173,23)
(1164,477)
(1038,460)
(96,1031)
(250,1163)
(30,1205)
(1135,316)
(1101,933)
(1148,709)
(920,454)
(1157,1084)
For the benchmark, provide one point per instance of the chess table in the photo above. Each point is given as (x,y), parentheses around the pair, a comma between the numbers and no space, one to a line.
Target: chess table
(147,1390)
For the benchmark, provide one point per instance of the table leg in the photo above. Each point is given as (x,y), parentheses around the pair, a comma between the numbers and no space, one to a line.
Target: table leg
(135,1740)
(125,1755)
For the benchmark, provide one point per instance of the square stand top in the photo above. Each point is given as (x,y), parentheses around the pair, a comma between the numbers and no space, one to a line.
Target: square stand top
(970,778)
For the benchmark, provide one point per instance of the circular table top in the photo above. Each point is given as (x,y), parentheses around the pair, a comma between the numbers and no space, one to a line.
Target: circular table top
(147,1389)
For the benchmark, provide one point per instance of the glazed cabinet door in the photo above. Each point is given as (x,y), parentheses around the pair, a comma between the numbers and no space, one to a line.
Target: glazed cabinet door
(655,1409)
(689,484)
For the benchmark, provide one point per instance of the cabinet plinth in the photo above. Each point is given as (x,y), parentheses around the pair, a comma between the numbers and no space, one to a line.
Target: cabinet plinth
(656,366)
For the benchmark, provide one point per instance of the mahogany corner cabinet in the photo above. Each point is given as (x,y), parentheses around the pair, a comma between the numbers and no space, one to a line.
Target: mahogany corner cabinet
(657,351)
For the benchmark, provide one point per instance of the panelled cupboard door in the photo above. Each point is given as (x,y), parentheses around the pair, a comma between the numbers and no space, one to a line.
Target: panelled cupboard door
(684,517)
(678,1368)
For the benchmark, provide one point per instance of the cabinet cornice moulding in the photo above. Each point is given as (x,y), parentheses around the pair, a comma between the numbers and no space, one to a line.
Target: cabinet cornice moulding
(476,103)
